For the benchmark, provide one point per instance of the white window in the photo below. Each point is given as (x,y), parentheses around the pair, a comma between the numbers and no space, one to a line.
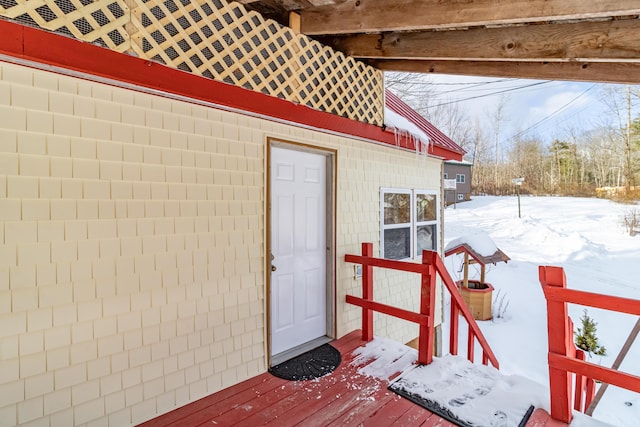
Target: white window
(460,197)
(460,178)
(446,175)
(409,222)
(426,231)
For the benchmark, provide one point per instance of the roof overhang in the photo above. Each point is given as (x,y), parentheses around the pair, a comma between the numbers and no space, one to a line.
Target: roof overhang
(576,40)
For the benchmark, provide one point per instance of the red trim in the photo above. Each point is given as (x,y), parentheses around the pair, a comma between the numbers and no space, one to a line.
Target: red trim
(439,139)
(53,49)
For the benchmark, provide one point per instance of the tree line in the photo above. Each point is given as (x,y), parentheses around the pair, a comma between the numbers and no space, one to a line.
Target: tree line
(575,163)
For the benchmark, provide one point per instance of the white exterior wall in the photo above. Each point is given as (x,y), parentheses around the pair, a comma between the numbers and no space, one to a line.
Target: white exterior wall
(132,242)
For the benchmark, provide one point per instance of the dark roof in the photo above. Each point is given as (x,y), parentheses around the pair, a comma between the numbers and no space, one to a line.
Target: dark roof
(438,138)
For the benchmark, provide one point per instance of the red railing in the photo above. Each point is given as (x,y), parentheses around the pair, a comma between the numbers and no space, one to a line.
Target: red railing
(563,357)
(431,265)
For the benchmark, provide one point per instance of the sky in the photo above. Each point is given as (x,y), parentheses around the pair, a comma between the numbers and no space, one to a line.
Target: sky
(582,235)
(542,108)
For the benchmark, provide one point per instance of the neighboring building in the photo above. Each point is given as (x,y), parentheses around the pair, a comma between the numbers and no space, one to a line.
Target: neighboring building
(153,220)
(460,170)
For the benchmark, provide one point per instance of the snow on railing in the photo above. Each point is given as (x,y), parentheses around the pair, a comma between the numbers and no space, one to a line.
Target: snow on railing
(564,359)
(431,265)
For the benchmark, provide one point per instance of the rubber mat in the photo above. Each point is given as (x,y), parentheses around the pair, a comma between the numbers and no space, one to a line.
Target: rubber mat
(313,364)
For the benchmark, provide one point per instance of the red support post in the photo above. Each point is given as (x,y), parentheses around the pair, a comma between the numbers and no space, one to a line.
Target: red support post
(367,293)
(581,382)
(559,343)
(427,307)
(590,392)
(471,344)
(453,332)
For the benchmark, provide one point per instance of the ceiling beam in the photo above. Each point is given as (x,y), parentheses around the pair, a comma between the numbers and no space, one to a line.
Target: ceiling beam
(593,41)
(364,16)
(602,72)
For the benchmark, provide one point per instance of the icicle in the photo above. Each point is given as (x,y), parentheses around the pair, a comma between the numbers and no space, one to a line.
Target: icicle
(396,137)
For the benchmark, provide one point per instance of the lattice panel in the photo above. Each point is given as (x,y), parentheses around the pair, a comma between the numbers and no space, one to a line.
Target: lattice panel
(101,22)
(225,42)
(219,40)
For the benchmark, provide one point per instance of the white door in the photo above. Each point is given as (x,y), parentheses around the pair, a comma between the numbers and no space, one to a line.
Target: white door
(298,245)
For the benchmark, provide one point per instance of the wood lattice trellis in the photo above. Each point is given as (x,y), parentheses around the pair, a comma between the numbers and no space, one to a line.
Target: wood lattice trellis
(219,40)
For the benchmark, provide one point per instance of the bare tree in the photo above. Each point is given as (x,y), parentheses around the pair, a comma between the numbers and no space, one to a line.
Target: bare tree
(620,99)
(497,119)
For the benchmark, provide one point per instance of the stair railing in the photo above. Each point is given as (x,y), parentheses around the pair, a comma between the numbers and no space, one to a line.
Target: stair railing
(564,359)
(431,266)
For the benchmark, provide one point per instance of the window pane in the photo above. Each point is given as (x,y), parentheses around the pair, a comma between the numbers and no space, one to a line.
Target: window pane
(397,208)
(425,207)
(397,243)
(425,239)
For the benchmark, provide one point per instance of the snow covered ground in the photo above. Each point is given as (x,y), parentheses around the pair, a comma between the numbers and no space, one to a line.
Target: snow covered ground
(586,238)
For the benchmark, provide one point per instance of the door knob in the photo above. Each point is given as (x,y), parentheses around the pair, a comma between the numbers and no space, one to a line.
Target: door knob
(273,267)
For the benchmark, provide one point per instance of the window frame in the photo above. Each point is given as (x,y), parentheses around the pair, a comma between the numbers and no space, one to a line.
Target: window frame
(461,178)
(435,222)
(460,197)
(384,227)
(414,223)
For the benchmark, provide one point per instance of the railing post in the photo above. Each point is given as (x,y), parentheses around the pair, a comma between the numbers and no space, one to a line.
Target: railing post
(427,306)
(471,345)
(560,338)
(581,384)
(367,293)
(453,332)
(590,392)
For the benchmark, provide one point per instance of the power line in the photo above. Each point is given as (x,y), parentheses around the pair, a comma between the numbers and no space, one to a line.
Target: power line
(450,83)
(491,94)
(549,116)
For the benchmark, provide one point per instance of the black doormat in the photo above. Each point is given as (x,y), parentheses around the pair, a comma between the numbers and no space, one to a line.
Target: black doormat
(313,364)
(448,415)
(469,395)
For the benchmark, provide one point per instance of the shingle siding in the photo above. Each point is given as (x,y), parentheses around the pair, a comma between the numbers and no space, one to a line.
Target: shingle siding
(132,245)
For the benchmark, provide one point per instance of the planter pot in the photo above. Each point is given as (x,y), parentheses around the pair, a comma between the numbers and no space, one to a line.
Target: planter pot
(478,297)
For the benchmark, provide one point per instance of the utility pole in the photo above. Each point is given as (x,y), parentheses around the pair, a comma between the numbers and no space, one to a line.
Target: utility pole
(629,164)
(518,182)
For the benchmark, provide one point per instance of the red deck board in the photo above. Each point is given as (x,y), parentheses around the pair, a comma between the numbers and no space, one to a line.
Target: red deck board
(389,413)
(435,421)
(201,404)
(367,408)
(238,400)
(415,416)
(539,418)
(300,397)
(344,397)
(554,423)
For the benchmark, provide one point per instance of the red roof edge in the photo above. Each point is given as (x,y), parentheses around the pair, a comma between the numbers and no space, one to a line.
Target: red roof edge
(437,137)
(43,47)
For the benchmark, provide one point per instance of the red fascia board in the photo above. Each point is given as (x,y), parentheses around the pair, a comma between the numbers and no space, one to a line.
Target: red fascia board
(44,47)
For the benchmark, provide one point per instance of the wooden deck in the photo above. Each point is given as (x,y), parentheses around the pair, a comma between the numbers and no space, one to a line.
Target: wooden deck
(344,397)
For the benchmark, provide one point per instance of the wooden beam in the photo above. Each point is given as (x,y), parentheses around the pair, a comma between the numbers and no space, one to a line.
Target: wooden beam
(294,22)
(360,16)
(599,41)
(601,72)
